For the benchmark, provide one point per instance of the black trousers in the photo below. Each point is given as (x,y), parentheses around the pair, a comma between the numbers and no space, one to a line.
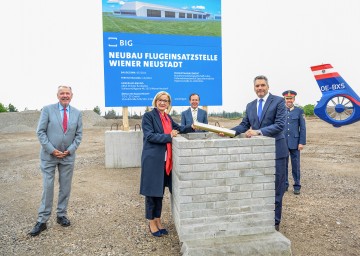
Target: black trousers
(153,205)
(280,178)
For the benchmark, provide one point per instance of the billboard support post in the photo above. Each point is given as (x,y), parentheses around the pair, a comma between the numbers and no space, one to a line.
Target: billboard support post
(125,114)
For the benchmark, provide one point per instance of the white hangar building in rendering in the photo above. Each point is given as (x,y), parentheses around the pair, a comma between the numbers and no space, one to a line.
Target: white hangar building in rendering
(140,9)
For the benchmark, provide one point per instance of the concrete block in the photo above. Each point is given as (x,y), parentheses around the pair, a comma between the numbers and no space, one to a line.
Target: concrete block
(123,149)
(270,244)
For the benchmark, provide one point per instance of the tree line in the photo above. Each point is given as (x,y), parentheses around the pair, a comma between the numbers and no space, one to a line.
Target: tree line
(9,108)
(111,114)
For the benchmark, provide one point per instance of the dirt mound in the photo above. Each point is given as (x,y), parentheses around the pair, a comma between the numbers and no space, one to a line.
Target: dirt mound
(90,119)
(27,120)
(19,121)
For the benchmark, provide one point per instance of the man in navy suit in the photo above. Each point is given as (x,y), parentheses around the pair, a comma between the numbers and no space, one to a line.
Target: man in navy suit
(295,134)
(265,116)
(194,113)
(59,132)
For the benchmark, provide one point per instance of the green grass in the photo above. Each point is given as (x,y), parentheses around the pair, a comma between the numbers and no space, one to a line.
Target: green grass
(144,26)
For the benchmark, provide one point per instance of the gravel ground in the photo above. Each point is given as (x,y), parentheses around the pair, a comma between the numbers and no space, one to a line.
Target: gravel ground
(107,212)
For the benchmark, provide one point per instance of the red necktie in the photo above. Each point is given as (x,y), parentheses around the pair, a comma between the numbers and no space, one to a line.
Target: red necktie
(65,121)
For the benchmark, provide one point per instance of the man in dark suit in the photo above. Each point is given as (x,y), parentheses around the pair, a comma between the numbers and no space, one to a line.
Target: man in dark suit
(295,134)
(266,116)
(194,113)
(59,132)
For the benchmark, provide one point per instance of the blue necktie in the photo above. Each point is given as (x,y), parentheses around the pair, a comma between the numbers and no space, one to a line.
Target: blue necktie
(260,108)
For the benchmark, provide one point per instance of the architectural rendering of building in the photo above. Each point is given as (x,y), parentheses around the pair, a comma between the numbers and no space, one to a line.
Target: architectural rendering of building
(140,9)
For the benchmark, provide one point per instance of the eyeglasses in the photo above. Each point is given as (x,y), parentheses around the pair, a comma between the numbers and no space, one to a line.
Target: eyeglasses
(164,101)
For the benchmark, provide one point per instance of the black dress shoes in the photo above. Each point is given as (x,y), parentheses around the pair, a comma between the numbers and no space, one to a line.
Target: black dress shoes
(156,233)
(277,227)
(164,231)
(63,221)
(39,227)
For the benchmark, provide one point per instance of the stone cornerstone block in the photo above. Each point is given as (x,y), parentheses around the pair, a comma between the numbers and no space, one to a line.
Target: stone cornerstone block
(227,208)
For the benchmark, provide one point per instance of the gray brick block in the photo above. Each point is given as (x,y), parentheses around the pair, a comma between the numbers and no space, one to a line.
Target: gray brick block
(182,167)
(255,141)
(221,143)
(205,183)
(226,174)
(251,187)
(269,156)
(217,159)
(238,181)
(223,187)
(264,149)
(239,165)
(269,170)
(240,150)
(239,195)
(217,190)
(264,193)
(252,172)
(184,199)
(177,152)
(191,191)
(222,151)
(195,207)
(264,179)
(205,151)
(193,176)
(209,198)
(269,186)
(201,167)
(251,157)
(264,163)
(191,160)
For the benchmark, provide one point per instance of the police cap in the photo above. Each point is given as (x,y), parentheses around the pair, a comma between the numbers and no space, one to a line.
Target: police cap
(289,94)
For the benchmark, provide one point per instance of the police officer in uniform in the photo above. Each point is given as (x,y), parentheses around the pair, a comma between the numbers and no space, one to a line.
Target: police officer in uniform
(295,134)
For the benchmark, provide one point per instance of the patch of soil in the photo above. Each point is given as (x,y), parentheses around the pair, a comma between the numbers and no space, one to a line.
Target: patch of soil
(107,212)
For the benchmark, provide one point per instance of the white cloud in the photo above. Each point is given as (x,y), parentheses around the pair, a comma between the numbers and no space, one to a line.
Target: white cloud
(199,7)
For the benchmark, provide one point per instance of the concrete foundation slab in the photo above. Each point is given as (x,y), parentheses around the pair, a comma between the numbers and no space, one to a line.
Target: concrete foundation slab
(260,245)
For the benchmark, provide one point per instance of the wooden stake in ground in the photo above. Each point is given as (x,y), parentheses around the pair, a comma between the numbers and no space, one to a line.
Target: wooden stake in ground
(125,114)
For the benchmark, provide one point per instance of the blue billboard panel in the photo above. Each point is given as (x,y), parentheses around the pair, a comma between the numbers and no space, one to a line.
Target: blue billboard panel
(145,54)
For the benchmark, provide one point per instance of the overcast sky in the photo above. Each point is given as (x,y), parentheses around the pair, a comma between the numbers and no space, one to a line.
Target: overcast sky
(46,43)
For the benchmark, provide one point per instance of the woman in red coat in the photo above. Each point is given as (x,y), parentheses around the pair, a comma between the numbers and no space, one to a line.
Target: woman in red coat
(156,159)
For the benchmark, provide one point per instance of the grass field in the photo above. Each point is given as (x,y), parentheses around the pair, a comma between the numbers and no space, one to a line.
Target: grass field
(145,26)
